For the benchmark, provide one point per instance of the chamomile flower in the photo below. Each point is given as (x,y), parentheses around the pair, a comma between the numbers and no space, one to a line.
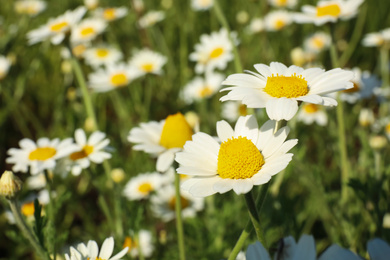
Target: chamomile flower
(246,157)
(141,186)
(317,42)
(232,110)
(91,4)
(164,203)
(148,61)
(151,18)
(4,67)
(377,39)
(277,20)
(39,156)
(279,88)
(283,3)
(30,7)
(142,242)
(162,139)
(87,30)
(89,150)
(112,77)
(102,55)
(201,88)
(312,113)
(328,11)
(111,13)
(213,51)
(256,25)
(55,29)
(201,5)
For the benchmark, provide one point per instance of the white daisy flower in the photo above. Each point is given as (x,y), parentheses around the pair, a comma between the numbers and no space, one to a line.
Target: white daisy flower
(55,29)
(87,30)
(89,150)
(377,39)
(232,110)
(162,139)
(283,3)
(39,156)
(279,88)
(91,4)
(255,26)
(148,61)
(328,11)
(141,186)
(317,42)
(164,203)
(151,18)
(310,113)
(30,7)
(277,20)
(246,157)
(201,5)
(201,88)
(103,55)
(111,13)
(4,67)
(213,51)
(111,77)
(143,242)
(91,251)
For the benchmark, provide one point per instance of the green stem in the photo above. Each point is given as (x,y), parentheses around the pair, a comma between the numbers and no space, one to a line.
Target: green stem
(51,213)
(26,231)
(384,58)
(179,221)
(378,170)
(254,215)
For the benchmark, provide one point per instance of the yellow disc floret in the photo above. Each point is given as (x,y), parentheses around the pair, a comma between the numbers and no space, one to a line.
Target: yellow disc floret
(206,91)
(58,27)
(130,243)
(286,86)
(87,31)
(145,188)
(42,153)
(176,132)
(216,53)
(239,158)
(332,10)
(310,108)
(109,14)
(87,150)
(184,203)
(101,52)
(119,79)
(147,67)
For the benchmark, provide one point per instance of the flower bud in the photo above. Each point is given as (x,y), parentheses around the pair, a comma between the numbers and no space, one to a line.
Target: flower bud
(117,175)
(366,117)
(9,184)
(377,142)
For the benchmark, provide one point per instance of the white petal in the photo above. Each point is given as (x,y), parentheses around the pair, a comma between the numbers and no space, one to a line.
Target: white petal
(107,248)
(80,137)
(242,186)
(120,254)
(247,126)
(223,185)
(165,160)
(201,187)
(93,249)
(96,137)
(224,131)
(275,142)
(281,108)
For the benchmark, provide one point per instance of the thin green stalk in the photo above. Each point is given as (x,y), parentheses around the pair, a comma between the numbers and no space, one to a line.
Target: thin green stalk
(179,221)
(51,213)
(254,215)
(26,231)
(378,161)
(384,59)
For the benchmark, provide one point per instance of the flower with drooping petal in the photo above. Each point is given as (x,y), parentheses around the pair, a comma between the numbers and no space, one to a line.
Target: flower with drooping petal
(162,139)
(277,20)
(143,242)
(310,113)
(87,30)
(142,185)
(148,61)
(102,55)
(247,156)
(279,88)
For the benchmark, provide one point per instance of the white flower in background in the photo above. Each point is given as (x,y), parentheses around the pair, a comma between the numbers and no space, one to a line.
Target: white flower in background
(255,26)
(91,4)
(142,185)
(200,88)
(89,150)
(164,203)
(112,77)
(246,157)
(143,242)
(4,67)
(151,18)
(111,13)
(30,7)
(162,139)
(366,117)
(213,51)
(377,39)
(87,30)
(312,113)
(317,42)
(232,110)
(55,29)
(102,55)
(277,20)
(148,61)
(39,156)
(283,3)
(279,88)
(201,5)
(36,182)
(328,11)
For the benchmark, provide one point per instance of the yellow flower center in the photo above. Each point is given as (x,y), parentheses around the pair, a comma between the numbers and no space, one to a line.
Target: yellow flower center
(58,26)
(281,2)
(279,24)
(79,50)
(176,132)
(206,91)
(87,150)
(289,87)
(310,108)
(147,67)
(130,243)
(101,53)
(87,31)
(216,53)
(145,188)
(42,153)
(239,158)
(332,10)
(172,203)
(242,110)
(97,258)
(119,79)
(28,209)
(318,42)
(109,14)
(356,88)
